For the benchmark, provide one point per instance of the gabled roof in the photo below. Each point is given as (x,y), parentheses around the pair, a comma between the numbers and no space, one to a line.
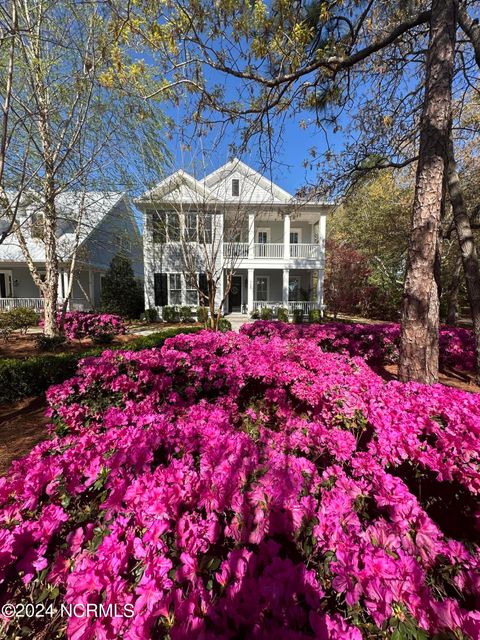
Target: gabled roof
(97,204)
(180,187)
(259,189)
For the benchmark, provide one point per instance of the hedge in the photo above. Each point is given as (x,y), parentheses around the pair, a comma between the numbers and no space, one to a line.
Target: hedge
(33,376)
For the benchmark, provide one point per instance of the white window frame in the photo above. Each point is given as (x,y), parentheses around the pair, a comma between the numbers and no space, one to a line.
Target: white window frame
(171,289)
(256,287)
(296,230)
(8,282)
(169,226)
(266,230)
(190,288)
(195,214)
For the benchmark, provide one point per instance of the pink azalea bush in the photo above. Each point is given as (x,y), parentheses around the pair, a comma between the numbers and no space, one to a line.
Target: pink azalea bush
(377,343)
(233,487)
(98,326)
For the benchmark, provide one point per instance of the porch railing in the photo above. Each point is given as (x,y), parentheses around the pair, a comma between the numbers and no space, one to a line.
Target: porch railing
(235,250)
(12,303)
(6,304)
(305,251)
(306,306)
(268,250)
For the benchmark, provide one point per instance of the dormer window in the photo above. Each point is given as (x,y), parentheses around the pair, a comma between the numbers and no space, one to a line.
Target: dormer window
(235,187)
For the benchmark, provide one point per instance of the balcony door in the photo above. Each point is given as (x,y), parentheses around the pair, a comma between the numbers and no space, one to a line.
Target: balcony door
(263,238)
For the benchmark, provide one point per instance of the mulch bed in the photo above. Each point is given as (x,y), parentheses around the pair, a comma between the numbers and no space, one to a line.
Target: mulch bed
(22,426)
(19,346)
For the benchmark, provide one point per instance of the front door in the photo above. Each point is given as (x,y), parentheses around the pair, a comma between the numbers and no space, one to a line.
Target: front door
(235,294)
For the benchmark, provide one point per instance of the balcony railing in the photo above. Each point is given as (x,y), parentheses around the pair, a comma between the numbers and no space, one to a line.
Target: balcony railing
(268,250)
(305,251)
(235,250)
(239,250)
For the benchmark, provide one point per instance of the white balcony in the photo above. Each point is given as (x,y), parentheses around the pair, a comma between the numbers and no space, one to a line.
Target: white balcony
(312,251)
(235,250)
(271,250)
(268,250)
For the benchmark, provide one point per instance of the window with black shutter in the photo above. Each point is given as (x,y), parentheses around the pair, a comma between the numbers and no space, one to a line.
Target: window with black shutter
(161,291)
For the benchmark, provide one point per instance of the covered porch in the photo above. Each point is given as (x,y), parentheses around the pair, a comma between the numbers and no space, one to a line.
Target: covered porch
(255,289)
(17,289)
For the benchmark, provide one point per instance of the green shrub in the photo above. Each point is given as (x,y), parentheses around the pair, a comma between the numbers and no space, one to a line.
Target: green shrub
(49,343)
(186,314)
(202,315)
(170,314)
(224,325)
(314,315)
(6,326)
(151,315)
(266,313)
(20,378)
(255,315)
(22,318)
(298,316)
(282,314)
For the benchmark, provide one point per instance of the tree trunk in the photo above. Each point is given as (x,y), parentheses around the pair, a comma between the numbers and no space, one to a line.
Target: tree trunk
(453,291)
(420,308)
(51,266)
(468,250)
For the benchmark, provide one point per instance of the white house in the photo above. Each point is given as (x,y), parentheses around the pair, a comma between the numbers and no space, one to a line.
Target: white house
(108,226)
(273,243)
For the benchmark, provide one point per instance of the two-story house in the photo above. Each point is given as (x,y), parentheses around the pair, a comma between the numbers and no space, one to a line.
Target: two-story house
(94,226)
(272,244)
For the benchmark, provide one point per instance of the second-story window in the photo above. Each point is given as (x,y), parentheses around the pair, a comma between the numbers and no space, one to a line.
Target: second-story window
(173,228)
(205,228)
(191,234)
(235,187)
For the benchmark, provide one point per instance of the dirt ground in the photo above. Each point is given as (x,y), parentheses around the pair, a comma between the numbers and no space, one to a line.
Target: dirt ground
(22,426)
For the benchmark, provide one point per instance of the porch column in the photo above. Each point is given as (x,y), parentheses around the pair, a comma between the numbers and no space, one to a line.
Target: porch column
(286,282)
(322,228)
(320,288)
(286,236)
(251,236)
(91,287)
(250,291)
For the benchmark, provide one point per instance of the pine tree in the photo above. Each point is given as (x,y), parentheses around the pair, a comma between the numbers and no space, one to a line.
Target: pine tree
(122,294)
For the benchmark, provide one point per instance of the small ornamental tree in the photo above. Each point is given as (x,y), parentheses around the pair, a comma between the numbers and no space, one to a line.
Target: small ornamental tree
(347,272)
(122,294)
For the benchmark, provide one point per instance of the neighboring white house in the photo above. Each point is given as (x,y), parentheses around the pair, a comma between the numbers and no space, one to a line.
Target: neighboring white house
(108,227)
(275,242)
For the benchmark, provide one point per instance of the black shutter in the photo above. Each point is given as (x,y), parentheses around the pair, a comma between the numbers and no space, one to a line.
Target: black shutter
(161,291)
(203,286)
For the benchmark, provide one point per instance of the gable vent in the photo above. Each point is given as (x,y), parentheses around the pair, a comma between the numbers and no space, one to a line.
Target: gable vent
(235,187)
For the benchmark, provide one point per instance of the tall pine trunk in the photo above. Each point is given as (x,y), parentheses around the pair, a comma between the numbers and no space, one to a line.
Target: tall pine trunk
(468,250)
(420,307)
